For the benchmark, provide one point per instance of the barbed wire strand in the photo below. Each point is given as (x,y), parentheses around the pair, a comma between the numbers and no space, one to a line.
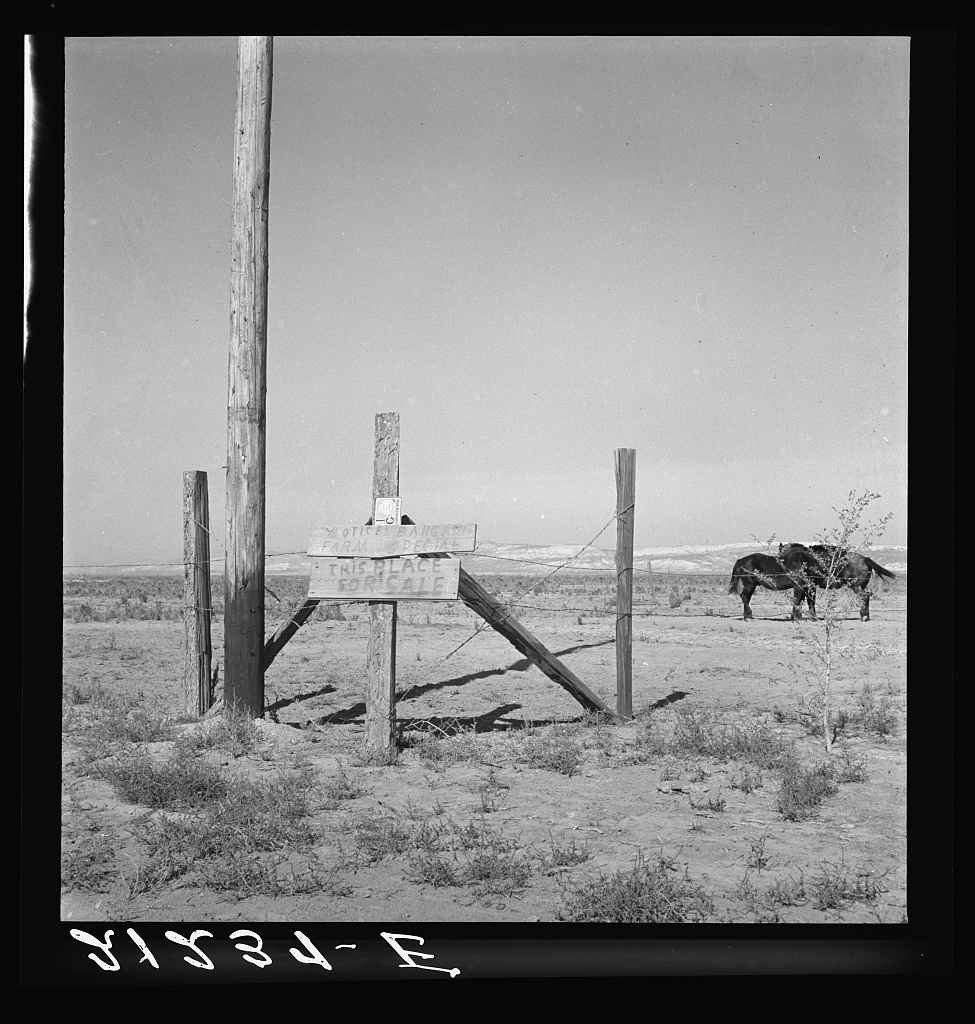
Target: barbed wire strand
(536,585)
(164,565)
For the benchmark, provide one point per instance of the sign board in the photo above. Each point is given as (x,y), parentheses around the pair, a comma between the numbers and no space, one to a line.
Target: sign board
(384,579)
(387,511)
(382,540)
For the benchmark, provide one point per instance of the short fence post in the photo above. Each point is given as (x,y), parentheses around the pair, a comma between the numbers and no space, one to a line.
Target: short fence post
(197,695)
(625,497)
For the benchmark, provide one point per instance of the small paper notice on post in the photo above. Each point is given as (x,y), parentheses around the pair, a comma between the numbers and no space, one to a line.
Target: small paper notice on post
(387,511)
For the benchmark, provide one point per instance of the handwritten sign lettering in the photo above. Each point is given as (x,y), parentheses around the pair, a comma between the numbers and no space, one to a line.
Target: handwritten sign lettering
(381,540)
(385,579)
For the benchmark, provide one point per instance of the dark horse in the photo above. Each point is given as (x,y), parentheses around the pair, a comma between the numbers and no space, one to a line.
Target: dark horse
(760,570)
(826,565)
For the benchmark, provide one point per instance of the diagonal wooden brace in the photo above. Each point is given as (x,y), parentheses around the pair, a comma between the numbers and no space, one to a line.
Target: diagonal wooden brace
(499,618)
(277,640)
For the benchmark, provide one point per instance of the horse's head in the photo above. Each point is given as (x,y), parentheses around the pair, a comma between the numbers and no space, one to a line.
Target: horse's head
(797,557)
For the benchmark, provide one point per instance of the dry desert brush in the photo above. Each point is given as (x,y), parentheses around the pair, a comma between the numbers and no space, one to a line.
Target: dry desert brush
(88,861)
(853,531)
(699,733)
(239,842)
(647,893)
(174,784)
(561,748)
(444,853)
(834,886)
(803,789)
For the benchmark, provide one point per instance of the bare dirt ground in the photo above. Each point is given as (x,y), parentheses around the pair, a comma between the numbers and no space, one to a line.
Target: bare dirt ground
(507,803)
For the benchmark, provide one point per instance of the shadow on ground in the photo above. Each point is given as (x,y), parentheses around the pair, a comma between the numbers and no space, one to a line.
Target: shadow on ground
(353,714)
(285,702)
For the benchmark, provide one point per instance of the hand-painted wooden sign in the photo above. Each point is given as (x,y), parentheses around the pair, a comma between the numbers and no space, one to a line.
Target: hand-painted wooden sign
(381,540)
(384,579)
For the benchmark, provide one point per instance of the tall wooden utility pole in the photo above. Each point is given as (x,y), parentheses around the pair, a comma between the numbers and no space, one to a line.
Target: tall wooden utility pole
(247,382)
(625,498)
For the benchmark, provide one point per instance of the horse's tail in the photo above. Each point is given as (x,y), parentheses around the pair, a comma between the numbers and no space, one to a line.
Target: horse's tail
(879,569)
(735,587)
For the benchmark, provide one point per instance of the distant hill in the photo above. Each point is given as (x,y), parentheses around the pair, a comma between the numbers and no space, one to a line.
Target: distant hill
(537,558)
(694,558)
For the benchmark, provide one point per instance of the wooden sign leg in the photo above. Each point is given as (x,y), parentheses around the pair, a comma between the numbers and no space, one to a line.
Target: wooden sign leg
(381,658)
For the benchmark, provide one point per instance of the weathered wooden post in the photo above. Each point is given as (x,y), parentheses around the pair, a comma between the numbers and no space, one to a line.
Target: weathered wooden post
(381,657)
(625,496)
(247,382)
(196,594)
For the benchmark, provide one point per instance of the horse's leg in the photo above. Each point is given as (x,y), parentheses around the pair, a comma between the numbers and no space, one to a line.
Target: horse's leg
(747,589)
(797,596)
(864,603)
(811,601)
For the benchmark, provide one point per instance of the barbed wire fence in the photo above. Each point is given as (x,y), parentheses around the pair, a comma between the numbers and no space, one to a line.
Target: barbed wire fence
(543,579)
(286,606)
(478,552)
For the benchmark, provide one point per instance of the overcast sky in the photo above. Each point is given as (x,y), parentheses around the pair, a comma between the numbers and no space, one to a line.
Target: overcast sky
(535,250)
